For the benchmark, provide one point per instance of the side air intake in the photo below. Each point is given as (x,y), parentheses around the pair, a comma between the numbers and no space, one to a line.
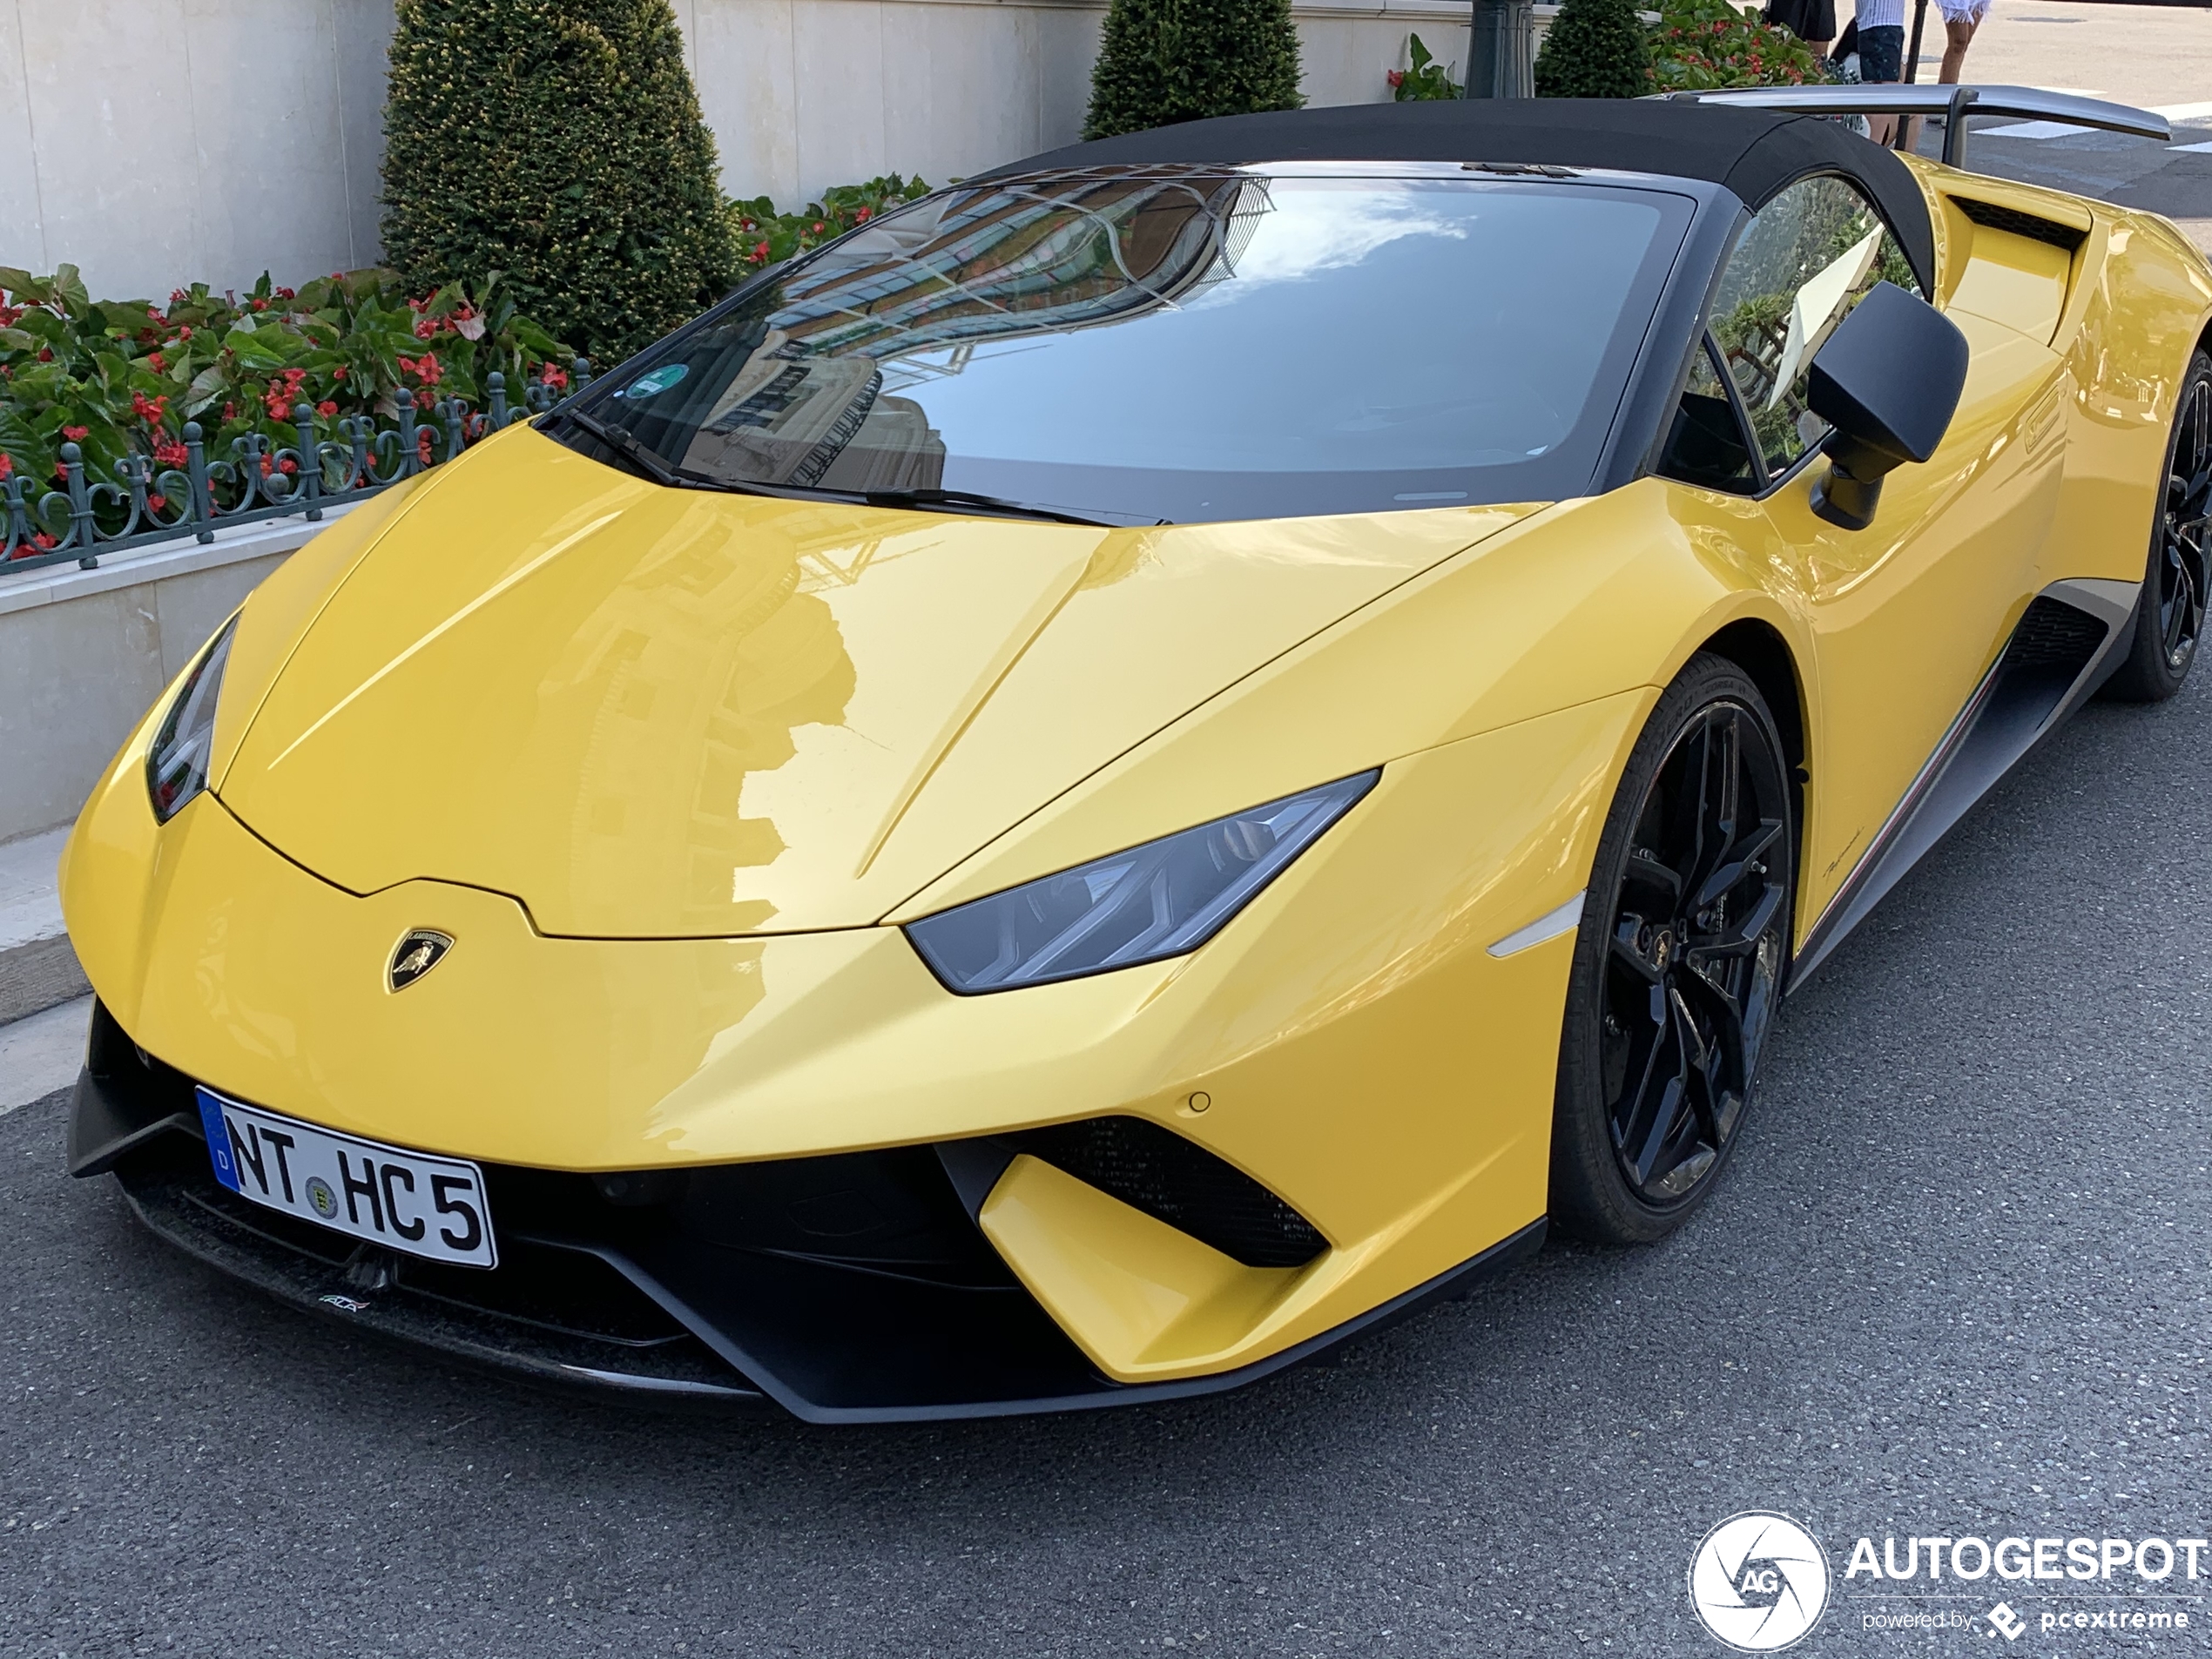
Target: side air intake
(2033,226)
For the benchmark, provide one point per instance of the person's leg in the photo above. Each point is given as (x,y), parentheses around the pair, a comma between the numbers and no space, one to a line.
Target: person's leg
(1881,61)
(1959,33)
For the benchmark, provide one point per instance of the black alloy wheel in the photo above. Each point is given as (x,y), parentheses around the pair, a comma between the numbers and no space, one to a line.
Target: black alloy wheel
(1679,964)
(2169,618)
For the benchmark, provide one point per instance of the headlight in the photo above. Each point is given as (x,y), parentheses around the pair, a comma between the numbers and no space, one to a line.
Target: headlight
(1160,900)
(177,763)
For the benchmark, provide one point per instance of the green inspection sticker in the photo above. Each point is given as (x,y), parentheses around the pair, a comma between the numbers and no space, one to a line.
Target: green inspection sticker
(659,381)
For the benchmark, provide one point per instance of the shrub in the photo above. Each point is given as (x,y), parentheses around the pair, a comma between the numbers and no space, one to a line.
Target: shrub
(559,143)
(765,236)
(121,377)
(1595,49)
(1163,61)
(1427,78)
(1705,44)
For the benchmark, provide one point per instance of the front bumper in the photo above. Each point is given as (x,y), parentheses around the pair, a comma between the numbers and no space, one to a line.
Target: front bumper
(854,1287)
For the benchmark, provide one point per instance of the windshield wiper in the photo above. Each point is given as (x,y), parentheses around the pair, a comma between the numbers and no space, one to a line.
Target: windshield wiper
(650,465)
(641,461)
(979,502)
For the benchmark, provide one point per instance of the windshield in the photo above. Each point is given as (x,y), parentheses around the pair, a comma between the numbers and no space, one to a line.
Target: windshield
(1179,344)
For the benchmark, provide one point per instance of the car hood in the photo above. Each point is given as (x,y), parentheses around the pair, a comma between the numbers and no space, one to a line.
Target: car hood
(651,713)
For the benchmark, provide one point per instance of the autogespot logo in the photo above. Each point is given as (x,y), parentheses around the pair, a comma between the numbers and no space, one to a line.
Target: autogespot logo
(1759,1582)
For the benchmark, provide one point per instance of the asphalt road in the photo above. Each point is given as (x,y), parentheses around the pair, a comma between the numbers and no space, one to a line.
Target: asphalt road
(1955,1284)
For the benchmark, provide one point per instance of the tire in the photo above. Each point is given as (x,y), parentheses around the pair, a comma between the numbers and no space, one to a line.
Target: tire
(1669,999)
(2169,616)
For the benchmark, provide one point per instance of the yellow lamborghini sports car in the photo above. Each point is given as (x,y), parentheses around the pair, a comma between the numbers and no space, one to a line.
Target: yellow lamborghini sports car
(1142,763)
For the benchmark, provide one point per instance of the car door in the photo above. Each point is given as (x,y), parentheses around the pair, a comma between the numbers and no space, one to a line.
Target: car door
(1907,615)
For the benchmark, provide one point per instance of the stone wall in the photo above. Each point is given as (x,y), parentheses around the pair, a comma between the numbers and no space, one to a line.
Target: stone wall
(169,140)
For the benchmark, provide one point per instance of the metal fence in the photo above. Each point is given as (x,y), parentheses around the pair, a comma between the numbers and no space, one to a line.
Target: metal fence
(145,504)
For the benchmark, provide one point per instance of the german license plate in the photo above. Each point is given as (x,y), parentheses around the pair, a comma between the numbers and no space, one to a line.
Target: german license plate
(406,1201)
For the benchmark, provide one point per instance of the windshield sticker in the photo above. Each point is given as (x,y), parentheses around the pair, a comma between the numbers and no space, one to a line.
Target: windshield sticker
(659,381)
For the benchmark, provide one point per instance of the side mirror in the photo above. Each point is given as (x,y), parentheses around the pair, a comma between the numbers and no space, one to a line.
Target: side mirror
(1888,380)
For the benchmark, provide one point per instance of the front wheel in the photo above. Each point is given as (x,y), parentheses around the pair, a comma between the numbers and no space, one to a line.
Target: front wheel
(1678,963)
(2170,614)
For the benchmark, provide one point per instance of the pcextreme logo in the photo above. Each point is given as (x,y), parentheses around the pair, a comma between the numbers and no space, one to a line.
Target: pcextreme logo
(1759,1582)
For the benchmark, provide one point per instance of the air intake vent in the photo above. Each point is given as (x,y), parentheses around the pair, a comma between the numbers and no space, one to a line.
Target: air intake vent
(1990,216)
(2054,635)
(1173,1180)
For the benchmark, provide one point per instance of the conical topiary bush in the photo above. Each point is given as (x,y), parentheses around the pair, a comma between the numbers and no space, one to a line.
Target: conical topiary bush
(558,142)
(1162,61)
(1596,48)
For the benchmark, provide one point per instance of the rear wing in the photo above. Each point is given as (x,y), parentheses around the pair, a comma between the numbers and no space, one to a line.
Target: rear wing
(1954,103)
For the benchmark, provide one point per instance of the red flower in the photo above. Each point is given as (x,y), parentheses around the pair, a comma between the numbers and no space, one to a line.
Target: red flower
(423,446)
(185,332)
(819,228)
(43,541)
(261,304)
(287,293)
(156,503)
(425,330)
(7,465)
(868,212)
(556,378)
(325,408)
(152,411)
(75,434)
(156,361)
(338,372)
(171,454)
(424,368)
(45,354)
(156,315)
(1396,78)
(230,411)
(178,296)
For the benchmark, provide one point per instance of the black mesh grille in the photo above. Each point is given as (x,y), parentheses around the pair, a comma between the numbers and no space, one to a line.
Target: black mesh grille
(1172,1180)
(2036,228)
(2054,635)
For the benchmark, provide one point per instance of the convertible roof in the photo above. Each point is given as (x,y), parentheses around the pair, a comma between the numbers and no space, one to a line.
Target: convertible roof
(1752,153)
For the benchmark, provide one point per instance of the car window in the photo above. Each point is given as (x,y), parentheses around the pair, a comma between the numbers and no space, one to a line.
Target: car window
(1706,444)
(1181,343)
(1804,260)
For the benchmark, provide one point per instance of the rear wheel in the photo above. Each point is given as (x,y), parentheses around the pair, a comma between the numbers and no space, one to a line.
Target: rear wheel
(1678,963)
(2169,616)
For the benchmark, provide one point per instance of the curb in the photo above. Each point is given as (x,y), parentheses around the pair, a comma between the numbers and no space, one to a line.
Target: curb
(38,974)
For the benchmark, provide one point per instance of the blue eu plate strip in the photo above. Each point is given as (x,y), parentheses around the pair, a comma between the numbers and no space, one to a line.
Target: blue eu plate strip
(218,1139)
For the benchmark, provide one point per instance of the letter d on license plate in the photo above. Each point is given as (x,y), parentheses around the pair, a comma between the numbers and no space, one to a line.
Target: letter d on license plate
(407,1201)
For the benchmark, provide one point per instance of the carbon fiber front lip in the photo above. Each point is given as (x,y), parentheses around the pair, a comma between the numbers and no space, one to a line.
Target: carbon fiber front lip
(171,1205)
(678,1315)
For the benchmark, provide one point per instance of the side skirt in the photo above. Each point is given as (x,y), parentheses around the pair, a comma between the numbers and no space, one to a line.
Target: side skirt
(2066,645)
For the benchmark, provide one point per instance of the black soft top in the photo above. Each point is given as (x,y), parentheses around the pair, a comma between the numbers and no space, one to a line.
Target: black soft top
(1752,153)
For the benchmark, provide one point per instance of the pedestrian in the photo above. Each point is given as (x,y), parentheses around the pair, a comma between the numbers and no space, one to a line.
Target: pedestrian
(1881,54)
(1960,19)
(1810,20)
